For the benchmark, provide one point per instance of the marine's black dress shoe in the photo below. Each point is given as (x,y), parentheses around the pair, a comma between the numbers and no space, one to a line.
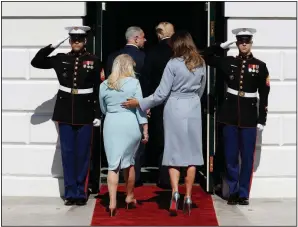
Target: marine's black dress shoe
(81,202)
(243,201)
(69,202)
(233,199)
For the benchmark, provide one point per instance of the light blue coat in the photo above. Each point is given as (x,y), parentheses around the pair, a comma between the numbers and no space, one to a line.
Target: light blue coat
(121,130)
(181,90)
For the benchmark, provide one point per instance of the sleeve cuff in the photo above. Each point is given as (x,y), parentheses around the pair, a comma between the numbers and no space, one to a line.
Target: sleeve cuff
(146,103)
(143,121)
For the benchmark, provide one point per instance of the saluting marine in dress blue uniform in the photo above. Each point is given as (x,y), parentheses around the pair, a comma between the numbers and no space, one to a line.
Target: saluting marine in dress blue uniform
(245,76)
(76,110)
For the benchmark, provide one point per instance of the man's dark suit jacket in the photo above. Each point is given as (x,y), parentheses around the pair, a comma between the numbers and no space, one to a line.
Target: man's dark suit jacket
(154,65)
(137,55)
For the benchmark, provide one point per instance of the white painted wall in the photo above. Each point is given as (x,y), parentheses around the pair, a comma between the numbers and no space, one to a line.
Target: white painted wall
(31,157)
(275,44)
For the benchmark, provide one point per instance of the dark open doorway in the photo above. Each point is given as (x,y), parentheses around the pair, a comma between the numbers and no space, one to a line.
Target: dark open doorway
(119,16)
(111,19)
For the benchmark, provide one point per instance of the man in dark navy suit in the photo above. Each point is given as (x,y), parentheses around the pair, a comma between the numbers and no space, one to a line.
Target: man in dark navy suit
(154,65)
(135,38)
(135,42)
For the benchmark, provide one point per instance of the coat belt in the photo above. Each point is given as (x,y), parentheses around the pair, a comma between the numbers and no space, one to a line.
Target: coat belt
(184,95)
(242,93)
(76,91)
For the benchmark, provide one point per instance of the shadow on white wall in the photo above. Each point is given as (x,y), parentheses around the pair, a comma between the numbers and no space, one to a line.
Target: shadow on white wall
(40,116)
(256,164)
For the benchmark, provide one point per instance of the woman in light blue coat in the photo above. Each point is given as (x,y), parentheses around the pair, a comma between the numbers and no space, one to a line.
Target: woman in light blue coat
(181,87)
(123,128)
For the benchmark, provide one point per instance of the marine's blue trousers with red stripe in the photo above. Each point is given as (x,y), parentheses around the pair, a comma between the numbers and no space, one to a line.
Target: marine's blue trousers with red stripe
(75,141)
(239,141)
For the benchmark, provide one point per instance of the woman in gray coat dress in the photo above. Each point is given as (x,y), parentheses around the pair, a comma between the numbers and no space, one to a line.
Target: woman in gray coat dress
(181,87)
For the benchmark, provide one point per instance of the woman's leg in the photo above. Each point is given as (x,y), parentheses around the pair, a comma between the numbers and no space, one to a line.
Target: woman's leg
(174,177)
(189,180)
(129,176)
(113,178)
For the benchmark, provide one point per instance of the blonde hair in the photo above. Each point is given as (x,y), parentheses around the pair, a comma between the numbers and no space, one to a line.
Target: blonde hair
(164,29)
(123,66)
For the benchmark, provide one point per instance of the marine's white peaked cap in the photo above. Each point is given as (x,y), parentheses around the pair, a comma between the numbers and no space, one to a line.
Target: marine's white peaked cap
(78,30)
(244,31)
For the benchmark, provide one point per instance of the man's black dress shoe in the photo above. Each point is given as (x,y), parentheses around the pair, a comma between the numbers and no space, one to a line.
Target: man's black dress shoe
(138,184)
(163,186)
(69,202)
(243,201)
(233,199)
(81,202)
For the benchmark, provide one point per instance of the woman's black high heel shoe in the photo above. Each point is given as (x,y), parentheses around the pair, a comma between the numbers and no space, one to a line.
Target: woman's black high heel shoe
(187,205)
(174,204)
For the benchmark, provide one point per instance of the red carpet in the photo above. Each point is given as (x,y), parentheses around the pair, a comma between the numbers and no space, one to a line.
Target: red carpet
(153,209)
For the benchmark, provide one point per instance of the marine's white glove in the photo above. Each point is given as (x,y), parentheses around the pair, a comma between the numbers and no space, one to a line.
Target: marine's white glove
(59,43)
(96,122)
(260,127)
(226,44)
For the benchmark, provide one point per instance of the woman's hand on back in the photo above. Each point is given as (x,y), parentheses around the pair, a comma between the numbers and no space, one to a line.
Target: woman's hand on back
(130,103)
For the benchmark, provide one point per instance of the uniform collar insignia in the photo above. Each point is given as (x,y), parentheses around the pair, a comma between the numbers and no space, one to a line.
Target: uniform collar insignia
(80,53)
(246,57)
